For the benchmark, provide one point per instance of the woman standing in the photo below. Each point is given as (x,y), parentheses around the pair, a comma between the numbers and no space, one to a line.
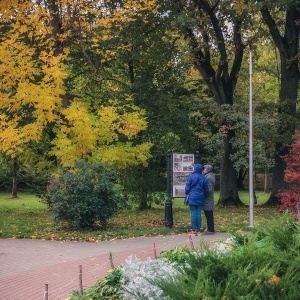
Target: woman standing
(197,188)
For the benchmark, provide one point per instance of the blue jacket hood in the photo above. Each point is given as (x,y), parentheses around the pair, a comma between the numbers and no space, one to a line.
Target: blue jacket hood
(198,168)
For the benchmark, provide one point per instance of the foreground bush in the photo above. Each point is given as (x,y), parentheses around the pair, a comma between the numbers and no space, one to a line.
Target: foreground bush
(106,289)
(82,197)
(264,265)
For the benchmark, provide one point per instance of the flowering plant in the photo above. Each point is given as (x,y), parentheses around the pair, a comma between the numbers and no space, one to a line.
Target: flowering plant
(139,275)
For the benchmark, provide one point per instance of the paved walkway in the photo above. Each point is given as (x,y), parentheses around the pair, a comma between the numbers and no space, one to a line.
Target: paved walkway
(39,270)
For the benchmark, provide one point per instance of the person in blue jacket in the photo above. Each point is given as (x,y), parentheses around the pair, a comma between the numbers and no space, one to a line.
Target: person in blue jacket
(197,188)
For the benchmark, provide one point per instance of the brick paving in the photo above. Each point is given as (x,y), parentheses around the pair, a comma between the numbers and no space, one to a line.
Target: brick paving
(27,266)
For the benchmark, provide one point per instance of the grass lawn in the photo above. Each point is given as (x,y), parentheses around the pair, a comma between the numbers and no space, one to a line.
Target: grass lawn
(27,217)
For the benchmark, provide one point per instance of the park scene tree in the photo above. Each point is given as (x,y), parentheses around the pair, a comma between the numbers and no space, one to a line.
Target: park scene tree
(94,95)
(123,83)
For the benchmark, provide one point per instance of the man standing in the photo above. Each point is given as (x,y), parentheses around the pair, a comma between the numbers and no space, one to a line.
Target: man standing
(209,199)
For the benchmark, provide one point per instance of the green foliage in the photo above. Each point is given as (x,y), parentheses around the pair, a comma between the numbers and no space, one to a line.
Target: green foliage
(141,185)
(283,237)
(201,268)
(5,173)
(105,289)
(37,181)
(264,266)
(83,196)
(179,254)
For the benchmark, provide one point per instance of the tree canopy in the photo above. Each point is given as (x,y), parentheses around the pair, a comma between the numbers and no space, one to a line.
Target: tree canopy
(37,39)
(123,82)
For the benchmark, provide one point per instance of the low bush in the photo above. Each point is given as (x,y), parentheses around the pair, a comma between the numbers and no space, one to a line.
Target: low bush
(264,266)
(106,289)
(85,196)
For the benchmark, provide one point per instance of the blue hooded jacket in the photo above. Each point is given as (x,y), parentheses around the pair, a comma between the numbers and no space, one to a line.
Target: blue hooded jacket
(196,186)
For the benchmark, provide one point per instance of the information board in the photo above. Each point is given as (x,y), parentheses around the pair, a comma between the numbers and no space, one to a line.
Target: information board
(182,168)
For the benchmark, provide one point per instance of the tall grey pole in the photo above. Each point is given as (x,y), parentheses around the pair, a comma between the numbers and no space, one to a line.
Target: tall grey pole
(251,196)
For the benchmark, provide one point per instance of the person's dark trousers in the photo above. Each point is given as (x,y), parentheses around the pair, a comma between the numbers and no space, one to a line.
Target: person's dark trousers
(209,215)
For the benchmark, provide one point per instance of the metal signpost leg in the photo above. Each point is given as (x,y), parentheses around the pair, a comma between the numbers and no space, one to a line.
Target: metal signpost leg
(168,204)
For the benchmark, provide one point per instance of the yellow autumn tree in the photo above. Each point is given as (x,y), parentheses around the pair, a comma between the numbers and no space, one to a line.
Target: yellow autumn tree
(35,44)
(99,137)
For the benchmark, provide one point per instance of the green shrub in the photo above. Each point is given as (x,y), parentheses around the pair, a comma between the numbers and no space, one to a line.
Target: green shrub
(82,197)
(179,254)
(283,233)
(106,289)
(264,266)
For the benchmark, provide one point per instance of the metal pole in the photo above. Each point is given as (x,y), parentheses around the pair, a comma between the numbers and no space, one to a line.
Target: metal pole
(251,196)
(168,204)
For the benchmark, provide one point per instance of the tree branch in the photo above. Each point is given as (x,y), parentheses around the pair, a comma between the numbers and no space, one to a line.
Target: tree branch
(223,61)
(272,28)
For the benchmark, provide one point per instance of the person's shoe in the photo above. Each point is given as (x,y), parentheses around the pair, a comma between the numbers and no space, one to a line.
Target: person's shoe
(193,233)
(207,232)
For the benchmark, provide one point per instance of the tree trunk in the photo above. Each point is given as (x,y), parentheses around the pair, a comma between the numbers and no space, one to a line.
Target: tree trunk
(241,177)
(220,78)
(14,193)
(266,182)
(288,46)
(255,198)
(228,176)
(286,129)
(144,204)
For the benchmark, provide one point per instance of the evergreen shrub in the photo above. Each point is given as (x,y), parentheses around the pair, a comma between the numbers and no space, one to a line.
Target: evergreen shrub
(264,266)
(83,196)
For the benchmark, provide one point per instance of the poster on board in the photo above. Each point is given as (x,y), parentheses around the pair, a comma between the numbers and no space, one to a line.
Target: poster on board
(182,168)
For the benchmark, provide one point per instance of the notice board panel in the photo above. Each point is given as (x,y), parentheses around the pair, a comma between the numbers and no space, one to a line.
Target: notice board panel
(182,168)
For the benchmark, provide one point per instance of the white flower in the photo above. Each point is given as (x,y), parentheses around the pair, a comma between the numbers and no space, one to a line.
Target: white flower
(225,246)
(139,274)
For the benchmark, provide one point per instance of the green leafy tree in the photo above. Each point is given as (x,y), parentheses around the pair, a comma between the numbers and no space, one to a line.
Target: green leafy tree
(140,61)
(217,51)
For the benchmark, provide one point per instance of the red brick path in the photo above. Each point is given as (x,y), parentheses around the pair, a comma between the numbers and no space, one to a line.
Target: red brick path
(26,266)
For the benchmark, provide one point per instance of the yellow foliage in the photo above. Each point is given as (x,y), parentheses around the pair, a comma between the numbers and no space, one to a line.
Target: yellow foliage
(33,76)
(124,155)
(97,136)
(23,97)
